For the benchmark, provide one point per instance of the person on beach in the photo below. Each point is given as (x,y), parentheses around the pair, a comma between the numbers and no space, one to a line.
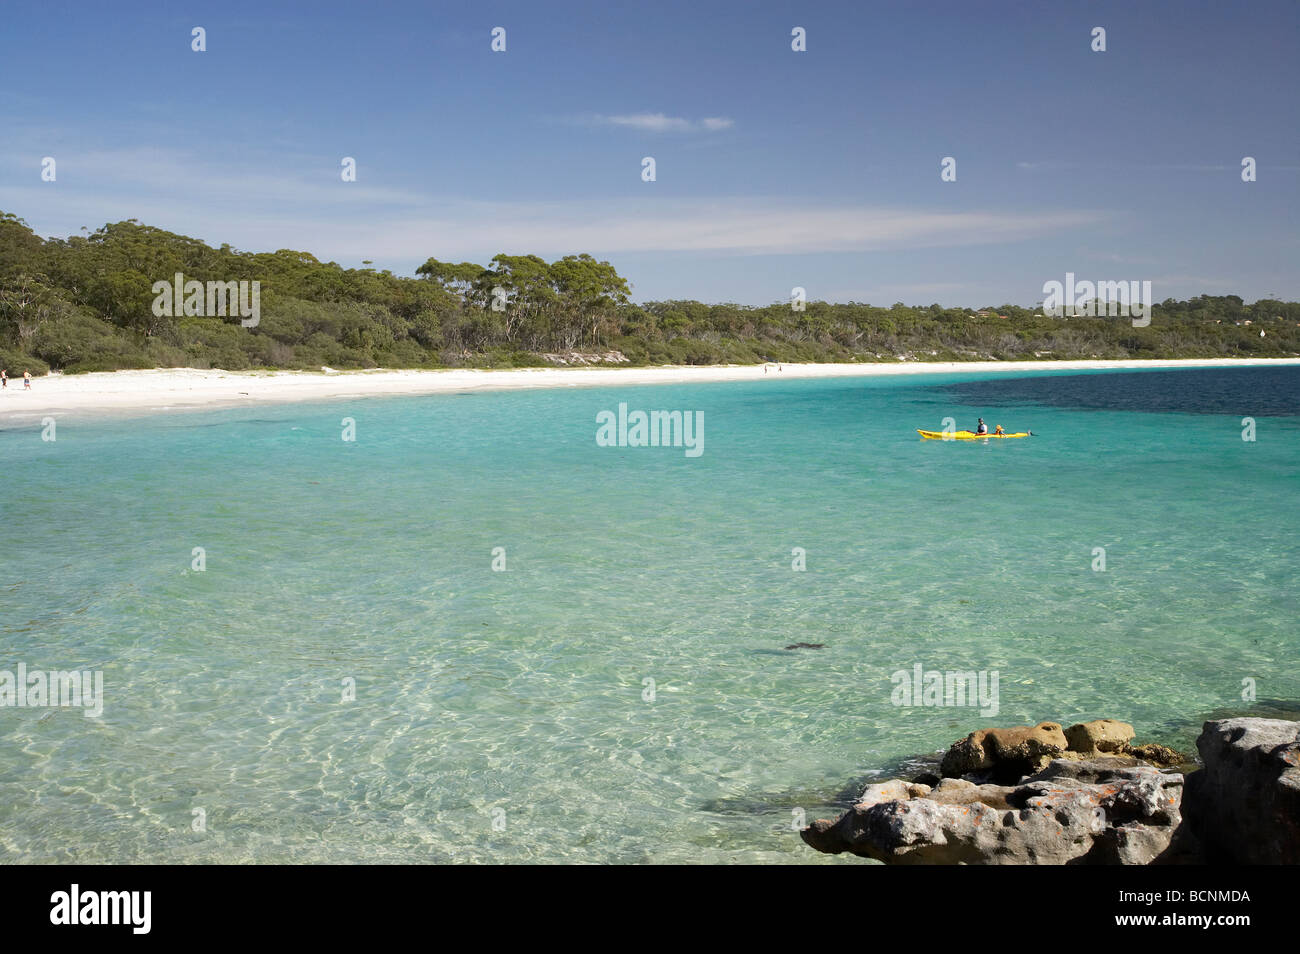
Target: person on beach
(4,378)
(27,380)
(982,428)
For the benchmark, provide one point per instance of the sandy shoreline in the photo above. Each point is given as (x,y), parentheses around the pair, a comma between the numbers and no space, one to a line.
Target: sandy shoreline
(174,389)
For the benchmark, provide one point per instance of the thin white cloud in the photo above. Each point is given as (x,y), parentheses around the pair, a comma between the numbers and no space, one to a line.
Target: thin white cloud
(158,171)
(1131,166)
(1192,281)
(1119,258)
(283,206)
(650,122)
(914,293)
(457,228)
(662,123)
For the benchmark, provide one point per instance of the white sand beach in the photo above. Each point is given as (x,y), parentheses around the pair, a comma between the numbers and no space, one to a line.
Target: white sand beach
(174,389)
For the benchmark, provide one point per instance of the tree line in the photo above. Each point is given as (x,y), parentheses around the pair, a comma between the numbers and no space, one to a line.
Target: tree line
(85,304)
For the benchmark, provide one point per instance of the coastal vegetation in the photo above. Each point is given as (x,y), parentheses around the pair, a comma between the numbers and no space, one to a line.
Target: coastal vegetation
(85,304)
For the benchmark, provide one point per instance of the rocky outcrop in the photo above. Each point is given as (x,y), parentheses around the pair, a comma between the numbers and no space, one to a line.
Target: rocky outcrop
(1005,754)
(1008,755)
(1102,811)
(1092,802)
(1156,754)
(1098,736)
(1245,804)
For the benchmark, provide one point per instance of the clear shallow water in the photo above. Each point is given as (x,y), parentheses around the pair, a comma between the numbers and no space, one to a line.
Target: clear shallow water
(522,690)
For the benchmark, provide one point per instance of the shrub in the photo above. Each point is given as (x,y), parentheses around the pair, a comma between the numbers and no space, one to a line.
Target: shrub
(16,362)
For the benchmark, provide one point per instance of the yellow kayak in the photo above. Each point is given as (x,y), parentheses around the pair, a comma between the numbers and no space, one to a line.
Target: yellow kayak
(967,435)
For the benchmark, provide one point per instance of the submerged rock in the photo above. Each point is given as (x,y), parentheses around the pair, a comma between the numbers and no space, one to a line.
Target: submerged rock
(1245,803)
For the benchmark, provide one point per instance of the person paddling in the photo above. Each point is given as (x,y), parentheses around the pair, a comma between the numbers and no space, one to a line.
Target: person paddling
(982,428)
(998,431)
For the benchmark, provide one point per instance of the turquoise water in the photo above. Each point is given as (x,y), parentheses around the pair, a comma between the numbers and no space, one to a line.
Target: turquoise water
(522,693)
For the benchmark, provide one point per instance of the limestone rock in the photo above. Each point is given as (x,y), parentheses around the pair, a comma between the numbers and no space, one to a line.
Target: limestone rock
(1005,754)
(1020,796)
(1160,755)
(1245,803)
(1099,735)
(1075,812)
(891,791)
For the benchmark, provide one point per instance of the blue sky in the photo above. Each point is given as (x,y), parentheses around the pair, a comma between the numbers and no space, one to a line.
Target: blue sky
(775,169)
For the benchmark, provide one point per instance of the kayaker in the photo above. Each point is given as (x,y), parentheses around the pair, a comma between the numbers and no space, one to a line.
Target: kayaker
(998,430)
(982,428)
